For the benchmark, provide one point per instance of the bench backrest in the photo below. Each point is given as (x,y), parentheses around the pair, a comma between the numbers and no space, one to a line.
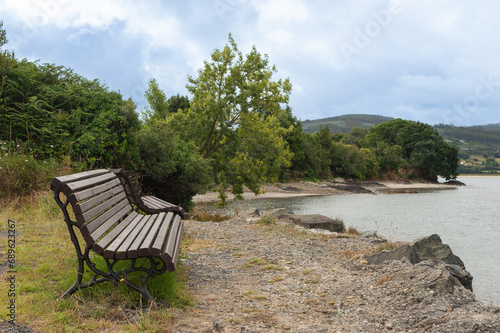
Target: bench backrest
(98,200)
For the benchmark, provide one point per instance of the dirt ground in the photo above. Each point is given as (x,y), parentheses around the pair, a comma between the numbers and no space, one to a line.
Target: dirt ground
(250,274)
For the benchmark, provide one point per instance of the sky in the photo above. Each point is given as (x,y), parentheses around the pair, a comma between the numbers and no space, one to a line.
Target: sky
(430,61)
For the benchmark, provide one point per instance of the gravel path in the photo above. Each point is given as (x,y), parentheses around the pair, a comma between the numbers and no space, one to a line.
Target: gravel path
(250,277)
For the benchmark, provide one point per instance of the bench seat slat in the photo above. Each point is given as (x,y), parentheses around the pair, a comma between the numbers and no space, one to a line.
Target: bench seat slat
(173,265)
(133,250)
(90,203)
(121,252)
(144,249)
(157,247)
(148,201)
(95,223)
(160,202)
(171,245)
(110,236)
(113,248)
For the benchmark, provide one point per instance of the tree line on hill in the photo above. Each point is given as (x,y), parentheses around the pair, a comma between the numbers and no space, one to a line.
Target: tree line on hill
(236,130)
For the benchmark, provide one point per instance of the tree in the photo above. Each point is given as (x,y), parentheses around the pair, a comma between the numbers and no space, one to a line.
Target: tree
(177,102)
(6,57)
(232,119)
(158,104)
(419,145)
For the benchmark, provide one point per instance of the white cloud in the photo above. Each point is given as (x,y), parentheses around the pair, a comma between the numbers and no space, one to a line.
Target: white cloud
(420,60)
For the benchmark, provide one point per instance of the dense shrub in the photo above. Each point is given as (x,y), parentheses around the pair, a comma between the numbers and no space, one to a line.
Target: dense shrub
(171,168)
(21,174)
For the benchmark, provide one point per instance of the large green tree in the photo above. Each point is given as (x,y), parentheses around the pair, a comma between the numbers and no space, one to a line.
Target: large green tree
(233,121)
(418,146)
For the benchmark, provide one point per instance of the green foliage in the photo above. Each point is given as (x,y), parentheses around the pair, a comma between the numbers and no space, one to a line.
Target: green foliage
(171,169)
(178,102)
(232,119)
(57,112)
(21,174)
(158,104)
(418,146)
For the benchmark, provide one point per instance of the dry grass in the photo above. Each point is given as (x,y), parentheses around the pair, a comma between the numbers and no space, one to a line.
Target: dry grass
(46,267)
(203,215)
(384,279)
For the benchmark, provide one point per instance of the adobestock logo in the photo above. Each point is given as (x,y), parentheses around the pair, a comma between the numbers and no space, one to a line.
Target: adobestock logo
(483,91)
(363,37)
(46,11)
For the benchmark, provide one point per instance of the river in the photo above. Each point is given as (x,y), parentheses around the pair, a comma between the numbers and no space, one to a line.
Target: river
(466,218)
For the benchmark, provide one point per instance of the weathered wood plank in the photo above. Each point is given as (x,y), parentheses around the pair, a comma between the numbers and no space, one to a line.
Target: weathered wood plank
(85,206)
(112,249)
(60,182)
(90,227)
(98,210)
(133,250)
(170,245)
(144,249)
(105,241)
(121,253)
(157,247)
(76,198)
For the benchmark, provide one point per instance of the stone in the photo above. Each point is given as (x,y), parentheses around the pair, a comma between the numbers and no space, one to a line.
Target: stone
(462,275)
(435,275)
(318,221)
(432,247)
(404,251)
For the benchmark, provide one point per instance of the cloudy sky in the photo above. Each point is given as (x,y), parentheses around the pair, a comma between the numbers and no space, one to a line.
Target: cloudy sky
(431,61)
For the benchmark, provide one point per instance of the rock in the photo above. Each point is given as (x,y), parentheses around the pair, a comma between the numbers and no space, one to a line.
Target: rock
(432,247)
(454,182)
(256,212)
(339,180)
(404,251)
(462,275)
(429,274)
(318,222)
(427,248)
(283,212)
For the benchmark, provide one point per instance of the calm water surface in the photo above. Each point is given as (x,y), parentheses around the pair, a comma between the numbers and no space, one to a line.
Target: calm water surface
(466,218)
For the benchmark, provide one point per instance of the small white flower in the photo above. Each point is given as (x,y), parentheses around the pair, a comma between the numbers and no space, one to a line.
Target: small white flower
(18,145)
(52,146)
(26,160)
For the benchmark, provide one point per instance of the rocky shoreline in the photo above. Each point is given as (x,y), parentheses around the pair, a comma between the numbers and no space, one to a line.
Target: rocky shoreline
(255,274)
(333,187)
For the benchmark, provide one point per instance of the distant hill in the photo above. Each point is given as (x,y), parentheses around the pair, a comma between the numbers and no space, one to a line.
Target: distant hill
(486,134)
(343,124)
(479,146)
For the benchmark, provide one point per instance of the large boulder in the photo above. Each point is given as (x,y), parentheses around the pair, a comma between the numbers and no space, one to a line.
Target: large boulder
(404,251)
(432,247)
(429,249)
(436,275)
(317,221)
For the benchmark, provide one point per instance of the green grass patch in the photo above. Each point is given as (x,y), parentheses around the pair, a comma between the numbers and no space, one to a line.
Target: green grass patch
(46,266)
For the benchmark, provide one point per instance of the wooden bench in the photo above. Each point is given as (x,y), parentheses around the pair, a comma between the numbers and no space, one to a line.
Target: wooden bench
(119,225)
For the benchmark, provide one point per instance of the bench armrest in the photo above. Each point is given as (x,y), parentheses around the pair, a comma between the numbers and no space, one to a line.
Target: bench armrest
(148,204)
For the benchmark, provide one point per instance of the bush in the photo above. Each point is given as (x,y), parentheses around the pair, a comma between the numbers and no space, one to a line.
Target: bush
(171,168)
(22,174)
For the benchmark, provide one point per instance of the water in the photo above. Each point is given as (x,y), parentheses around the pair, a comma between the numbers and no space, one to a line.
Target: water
(466,218)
